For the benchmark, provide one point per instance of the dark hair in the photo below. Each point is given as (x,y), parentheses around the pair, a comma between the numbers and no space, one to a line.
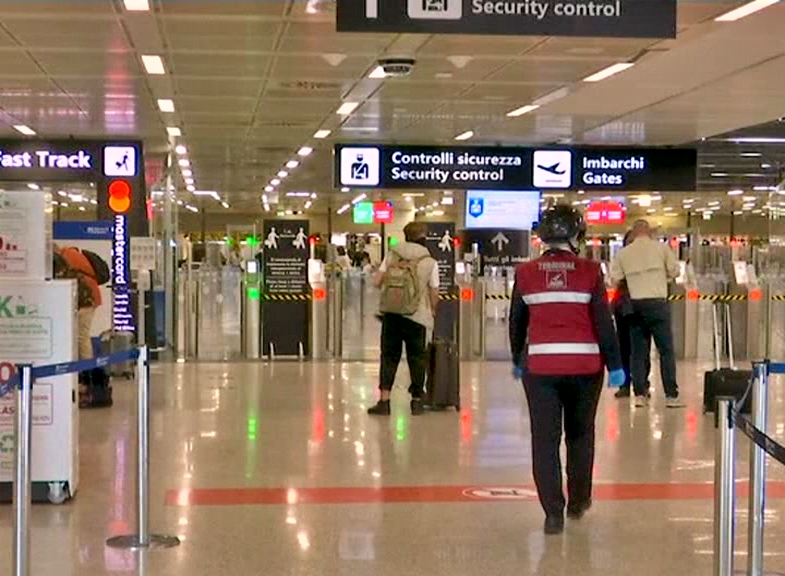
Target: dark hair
(416,232)
(628,237)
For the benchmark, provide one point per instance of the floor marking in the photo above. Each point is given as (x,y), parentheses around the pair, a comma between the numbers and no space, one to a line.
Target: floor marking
(441,494)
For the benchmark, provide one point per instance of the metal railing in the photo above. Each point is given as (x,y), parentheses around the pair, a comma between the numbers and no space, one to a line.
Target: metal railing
(22,489)
(729,420)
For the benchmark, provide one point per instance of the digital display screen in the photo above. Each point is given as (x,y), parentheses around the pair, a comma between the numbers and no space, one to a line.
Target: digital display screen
(502,209)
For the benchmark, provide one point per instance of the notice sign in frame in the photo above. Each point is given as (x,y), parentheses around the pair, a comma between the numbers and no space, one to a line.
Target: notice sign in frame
(597,18)
(286,307)
(622,169)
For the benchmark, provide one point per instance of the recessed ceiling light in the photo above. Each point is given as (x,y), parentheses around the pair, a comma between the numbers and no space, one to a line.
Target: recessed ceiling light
(181,149)
(184,162)
(465,135)
(347,108)
(275,182)
(522,110)
(751,154)
(26,130)
(305,151)
(174,131)
(187,173)
(283,174)
(153,64)
(292,164)
(165,105)
(609,71)
(359,198)
(189,180)
(746,10)
(225,204)
(321,134)
(719,174)
(735,192)
(137,5)
(377,73)
(268,188)
(191,188)
(344,208)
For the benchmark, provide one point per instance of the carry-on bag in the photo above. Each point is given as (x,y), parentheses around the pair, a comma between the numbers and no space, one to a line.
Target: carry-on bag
(113,342)
(725,381)
(95,389)
(443,383)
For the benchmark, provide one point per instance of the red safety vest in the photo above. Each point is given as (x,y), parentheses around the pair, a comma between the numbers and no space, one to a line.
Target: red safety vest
(562,339)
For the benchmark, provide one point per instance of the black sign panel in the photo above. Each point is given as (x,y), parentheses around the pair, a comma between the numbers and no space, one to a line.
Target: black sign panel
(285,311)
(285,249)
(610,18)
(441,243)
(513,168)
(504,248)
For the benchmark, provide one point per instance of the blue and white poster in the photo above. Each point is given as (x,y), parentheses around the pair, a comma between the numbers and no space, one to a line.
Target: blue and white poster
(511,210)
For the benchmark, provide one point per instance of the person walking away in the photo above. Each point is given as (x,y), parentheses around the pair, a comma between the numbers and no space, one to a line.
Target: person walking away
(622,314)
(647,266)
(561,337)
(409,284)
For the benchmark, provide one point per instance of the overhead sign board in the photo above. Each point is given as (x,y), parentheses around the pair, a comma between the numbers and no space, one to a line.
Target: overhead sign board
(608,18)
(606,212)
(514,168)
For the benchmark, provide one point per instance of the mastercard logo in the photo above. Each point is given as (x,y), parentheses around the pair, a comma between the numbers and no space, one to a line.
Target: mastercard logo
(119,196)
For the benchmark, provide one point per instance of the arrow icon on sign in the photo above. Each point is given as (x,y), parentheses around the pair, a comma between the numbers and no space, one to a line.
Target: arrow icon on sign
(500,240)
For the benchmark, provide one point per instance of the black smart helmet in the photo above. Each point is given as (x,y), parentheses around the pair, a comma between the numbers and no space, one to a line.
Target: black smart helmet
(562,224)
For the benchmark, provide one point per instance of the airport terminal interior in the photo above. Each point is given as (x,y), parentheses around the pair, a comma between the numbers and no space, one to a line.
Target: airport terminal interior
(244,167)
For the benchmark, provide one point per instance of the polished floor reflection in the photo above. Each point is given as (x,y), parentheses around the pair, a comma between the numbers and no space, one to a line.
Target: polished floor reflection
(276,468)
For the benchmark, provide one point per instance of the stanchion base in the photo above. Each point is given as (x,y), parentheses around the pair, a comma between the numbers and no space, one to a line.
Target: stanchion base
(133,542)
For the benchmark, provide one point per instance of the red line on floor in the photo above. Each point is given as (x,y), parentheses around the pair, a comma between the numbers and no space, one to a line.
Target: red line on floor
(437,494)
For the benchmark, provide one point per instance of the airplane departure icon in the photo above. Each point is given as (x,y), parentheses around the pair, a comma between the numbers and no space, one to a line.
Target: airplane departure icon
(553,169)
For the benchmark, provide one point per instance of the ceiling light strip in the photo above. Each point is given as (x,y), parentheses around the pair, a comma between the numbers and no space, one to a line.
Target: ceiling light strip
(746,10)
(611,70)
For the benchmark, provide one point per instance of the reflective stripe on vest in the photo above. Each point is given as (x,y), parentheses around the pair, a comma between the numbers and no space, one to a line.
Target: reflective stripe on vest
(566,348)
(557,298)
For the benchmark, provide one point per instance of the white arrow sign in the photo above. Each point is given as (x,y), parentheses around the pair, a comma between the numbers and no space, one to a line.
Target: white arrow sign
(500,241)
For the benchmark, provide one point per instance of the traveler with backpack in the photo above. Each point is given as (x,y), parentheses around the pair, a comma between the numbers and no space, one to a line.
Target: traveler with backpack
(409,284)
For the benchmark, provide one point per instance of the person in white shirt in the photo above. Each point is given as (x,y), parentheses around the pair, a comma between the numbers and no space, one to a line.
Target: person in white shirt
(647,266)
(410,330)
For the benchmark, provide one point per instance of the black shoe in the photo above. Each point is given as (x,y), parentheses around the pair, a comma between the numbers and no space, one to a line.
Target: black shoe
(417,407)
(554,525)
(382,408)
(576,511)
(623,392)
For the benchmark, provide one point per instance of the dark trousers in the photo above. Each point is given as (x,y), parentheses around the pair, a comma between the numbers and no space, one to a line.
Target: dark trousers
(571,402)
(624,333)
(652,320)
(398,330)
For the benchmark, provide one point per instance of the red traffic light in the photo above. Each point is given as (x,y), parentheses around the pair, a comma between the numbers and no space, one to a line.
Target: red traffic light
(119,196)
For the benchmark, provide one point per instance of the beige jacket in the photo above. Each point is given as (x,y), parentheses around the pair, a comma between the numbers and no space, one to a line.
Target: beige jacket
(647,265)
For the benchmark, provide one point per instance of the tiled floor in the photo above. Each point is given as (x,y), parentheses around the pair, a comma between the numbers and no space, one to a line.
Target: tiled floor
(276,469)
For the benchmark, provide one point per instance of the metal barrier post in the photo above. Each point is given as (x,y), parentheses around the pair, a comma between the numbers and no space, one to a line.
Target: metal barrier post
(724,489)
(22,479)
(757,504)
(143,538)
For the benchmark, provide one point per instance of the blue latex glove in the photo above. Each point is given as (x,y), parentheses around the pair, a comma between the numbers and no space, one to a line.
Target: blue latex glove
(517,372)
(616,378)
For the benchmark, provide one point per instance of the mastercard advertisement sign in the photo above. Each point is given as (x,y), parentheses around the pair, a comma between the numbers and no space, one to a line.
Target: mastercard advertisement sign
(606,212)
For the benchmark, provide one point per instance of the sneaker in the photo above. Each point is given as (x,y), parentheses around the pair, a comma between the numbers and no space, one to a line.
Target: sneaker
(417,407)
(623,392)
(576,511)
(674,402)
(641,401)
(381,408)
(554,525)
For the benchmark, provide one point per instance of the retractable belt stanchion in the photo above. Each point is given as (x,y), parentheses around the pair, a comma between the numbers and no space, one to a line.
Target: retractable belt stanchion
(143,538)
(22,477)
(724,489)
(757,504)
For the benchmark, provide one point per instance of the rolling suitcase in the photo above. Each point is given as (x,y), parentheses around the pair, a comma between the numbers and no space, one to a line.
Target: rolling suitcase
(112,342)
(725,381)
(443,383)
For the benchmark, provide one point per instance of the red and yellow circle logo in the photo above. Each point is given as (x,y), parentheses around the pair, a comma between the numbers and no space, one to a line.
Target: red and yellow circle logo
(119,196)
